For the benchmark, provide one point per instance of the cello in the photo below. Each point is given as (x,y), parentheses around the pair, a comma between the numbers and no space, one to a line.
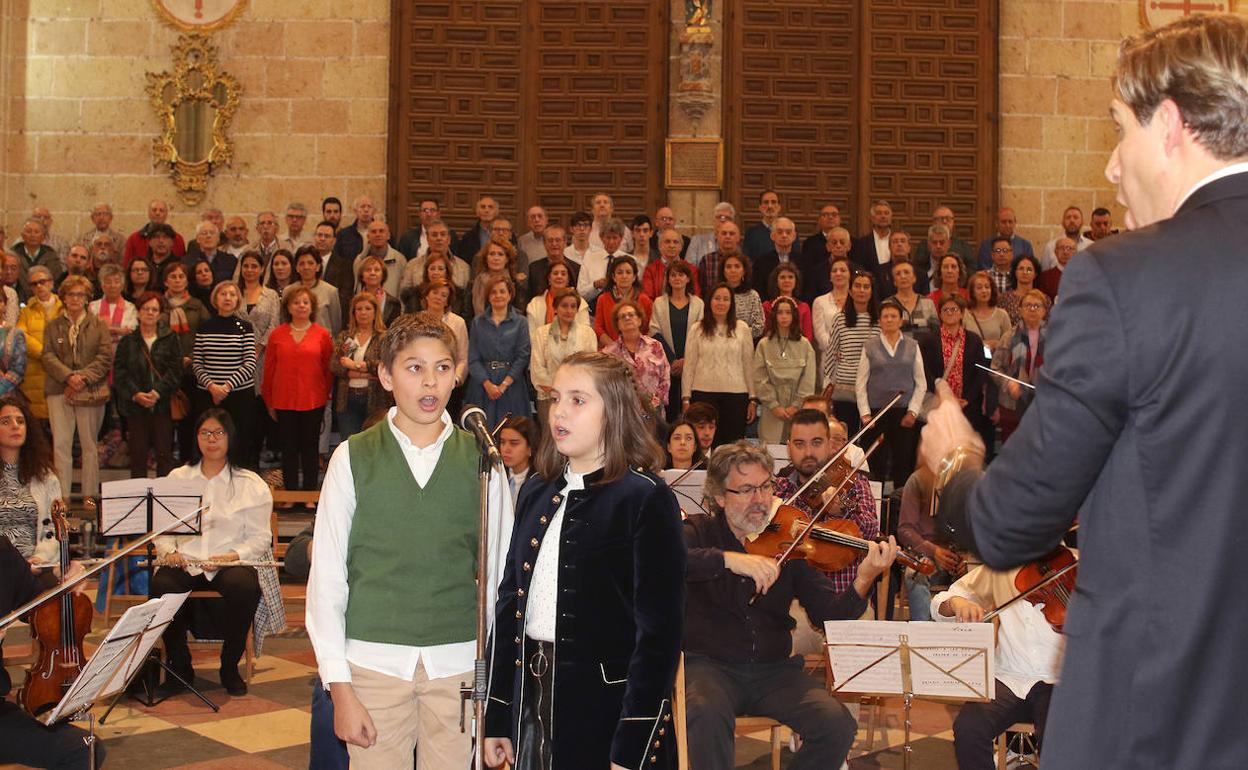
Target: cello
(58,629)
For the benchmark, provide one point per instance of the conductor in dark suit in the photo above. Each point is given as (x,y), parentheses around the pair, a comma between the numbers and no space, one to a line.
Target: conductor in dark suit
(1136,427)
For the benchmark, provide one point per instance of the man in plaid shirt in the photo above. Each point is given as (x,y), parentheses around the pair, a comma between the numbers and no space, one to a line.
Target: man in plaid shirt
(810,446)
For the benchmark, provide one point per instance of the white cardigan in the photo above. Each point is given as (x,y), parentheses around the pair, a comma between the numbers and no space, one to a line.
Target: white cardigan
(661,318)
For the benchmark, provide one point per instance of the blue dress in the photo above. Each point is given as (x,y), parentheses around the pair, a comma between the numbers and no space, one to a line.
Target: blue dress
(494,352)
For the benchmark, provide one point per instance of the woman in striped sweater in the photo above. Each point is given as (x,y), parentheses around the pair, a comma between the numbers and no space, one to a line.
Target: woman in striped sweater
(856,324)
(224,364)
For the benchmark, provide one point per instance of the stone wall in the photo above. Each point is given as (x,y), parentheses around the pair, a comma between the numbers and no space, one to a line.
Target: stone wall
(1056,135)
(77,125)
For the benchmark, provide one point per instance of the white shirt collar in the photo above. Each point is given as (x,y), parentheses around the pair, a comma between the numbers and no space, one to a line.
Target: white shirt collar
(406,444)
(1225,171)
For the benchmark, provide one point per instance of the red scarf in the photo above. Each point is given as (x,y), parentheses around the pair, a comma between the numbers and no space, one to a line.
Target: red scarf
(953,367)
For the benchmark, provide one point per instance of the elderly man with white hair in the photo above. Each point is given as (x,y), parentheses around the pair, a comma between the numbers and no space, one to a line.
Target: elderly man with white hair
(102,224)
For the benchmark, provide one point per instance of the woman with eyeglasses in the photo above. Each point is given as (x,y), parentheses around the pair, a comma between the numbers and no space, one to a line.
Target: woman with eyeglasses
(40,309)
(1021,358)
(851,328)
(77,358)
(235,527)
(644,355)
(1023,276)
(140,277)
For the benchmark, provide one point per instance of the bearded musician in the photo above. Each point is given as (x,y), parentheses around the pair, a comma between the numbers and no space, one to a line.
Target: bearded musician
(738,655)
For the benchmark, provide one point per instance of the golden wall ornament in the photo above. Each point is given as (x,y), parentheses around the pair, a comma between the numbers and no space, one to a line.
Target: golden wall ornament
(195,104)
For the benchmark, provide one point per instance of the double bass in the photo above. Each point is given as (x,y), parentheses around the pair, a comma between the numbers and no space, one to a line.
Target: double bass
(58,629)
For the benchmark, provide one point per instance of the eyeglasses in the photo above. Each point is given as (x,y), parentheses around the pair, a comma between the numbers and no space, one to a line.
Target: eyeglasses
(139,269)
(218,433)
(1033,306)
(1002,250)
(626,314)
(951,309)
(749,490)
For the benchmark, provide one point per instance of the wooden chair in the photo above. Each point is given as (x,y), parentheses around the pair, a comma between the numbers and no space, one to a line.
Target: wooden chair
(1032,758)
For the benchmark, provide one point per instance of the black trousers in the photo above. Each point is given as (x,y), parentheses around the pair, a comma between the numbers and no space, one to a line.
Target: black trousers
(26,742)
(895,459)
(731,408)
(147,431)
(716,693)
(300,434)
(241,589)
(241,405)
(978,724)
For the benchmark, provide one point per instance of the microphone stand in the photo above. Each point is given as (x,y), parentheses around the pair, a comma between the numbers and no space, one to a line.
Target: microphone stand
(476,692)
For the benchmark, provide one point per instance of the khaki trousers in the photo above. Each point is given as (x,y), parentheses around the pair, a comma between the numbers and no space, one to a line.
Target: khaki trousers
(423,712)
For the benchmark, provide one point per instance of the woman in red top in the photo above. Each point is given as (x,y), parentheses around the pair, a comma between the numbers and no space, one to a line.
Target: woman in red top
(622,284)
(296,384)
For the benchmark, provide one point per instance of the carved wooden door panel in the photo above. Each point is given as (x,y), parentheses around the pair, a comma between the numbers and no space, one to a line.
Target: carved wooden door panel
(930,112)
(848,101)
(791,114)
(531,101)
(456,117)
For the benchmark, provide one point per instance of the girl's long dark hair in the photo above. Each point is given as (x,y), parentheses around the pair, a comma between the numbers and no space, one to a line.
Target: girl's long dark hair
(627,435)
(851,310)
(35,459)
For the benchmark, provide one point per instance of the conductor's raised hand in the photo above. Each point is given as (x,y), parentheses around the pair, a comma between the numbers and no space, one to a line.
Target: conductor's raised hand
(947,429)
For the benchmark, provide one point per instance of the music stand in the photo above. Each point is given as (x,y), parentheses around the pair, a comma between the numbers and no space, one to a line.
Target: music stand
(688,489)
(139,506)
(115,662)
(950,662)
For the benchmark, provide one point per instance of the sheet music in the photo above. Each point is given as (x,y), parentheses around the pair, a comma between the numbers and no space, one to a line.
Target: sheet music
(123,505)
(689,491)
(949,660)
(119,656)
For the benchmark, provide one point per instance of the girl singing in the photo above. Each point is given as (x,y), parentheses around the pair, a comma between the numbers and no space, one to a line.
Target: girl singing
(589,617)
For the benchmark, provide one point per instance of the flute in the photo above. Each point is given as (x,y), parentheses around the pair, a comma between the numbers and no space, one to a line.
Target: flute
(201,563)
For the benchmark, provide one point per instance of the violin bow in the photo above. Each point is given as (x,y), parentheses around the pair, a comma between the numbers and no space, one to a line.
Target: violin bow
(1047,580)
(840,452)
(69,585)
(690,469)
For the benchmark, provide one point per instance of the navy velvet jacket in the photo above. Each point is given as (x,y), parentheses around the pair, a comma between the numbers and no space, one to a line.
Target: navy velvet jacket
(619,626)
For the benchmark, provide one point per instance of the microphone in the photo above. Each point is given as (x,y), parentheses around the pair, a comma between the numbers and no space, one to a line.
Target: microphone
(472,419)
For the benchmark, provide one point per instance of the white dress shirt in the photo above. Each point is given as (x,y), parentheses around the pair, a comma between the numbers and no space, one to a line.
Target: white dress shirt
(327,581)
(544,590)
(882,253)
(239,504)
(1028,649)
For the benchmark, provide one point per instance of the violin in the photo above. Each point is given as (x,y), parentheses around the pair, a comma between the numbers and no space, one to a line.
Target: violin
(1049,581)
(830,547)
(58,629)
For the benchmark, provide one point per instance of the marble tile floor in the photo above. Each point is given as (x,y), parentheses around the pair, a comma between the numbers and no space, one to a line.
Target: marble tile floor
(268,728)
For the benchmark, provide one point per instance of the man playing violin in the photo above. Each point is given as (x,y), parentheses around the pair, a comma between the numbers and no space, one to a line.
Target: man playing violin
(811,445)
(737,654)
(22,739)
(1028,660)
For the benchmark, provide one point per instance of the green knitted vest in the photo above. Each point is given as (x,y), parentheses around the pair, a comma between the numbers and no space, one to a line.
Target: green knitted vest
(411,556)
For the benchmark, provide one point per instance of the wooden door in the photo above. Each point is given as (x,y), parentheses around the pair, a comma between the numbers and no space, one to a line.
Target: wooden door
(530,101)
(849,101)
